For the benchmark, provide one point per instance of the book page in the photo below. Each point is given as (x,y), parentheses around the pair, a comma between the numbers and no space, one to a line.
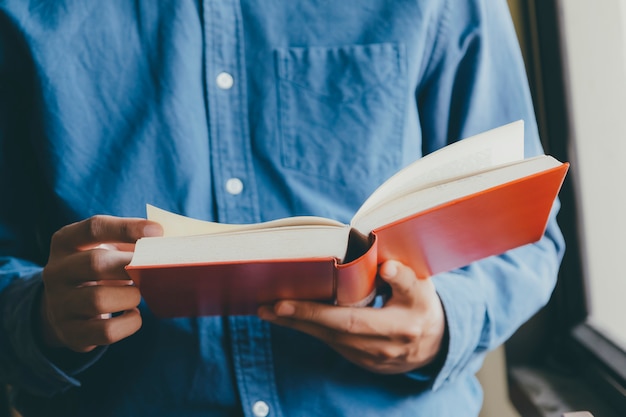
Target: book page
(289,242)
(495,147)
(441,193)
(177,225)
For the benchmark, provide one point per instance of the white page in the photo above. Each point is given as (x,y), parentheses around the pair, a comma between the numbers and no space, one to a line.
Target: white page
(494,147)
(261,244)
(177,225)
(442,193)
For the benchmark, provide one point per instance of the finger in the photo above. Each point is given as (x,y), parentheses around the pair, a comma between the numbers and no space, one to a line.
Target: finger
(404,344)
(88,266)
(354,320)
(400,278)
(359,358)
(86,335)
(94,301)
(405,287)
(319,332)
(376,353)
(386,362)
(124,247)
(390,323)
(329,336)
(103,229)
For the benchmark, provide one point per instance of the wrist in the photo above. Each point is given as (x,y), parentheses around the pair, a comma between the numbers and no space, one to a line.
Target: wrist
(44,331)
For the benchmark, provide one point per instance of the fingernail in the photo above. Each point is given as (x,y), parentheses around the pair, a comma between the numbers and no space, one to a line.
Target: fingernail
(152,230)
(285,309)
(389,269)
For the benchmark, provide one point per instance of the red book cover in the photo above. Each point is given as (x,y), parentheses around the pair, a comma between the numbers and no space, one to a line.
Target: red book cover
(473,227)
(238,288)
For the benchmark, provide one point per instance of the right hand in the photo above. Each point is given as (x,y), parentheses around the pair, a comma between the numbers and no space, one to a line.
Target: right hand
(85,283)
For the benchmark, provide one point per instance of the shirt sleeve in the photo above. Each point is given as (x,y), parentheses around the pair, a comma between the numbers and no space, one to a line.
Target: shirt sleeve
(23,363)
(475,80)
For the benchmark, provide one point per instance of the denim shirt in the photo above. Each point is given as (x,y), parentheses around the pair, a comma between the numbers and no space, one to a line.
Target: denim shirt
(244,111)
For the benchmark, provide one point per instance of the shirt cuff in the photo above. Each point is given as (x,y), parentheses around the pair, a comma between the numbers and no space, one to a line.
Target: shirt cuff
(429,372)
(465,320)
(466,313)
(39,370)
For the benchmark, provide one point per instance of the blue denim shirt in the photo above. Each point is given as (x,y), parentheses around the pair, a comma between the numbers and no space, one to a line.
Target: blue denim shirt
(245,111)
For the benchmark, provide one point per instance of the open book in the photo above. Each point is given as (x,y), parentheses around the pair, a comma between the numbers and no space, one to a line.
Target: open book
(469,200)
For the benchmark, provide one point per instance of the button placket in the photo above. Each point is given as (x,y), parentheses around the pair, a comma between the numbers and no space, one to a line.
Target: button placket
(231,151)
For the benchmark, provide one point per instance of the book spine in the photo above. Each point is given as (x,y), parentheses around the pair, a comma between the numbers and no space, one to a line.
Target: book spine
(355,282)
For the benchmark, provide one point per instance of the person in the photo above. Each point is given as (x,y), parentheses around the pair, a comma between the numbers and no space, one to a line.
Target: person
(239,112)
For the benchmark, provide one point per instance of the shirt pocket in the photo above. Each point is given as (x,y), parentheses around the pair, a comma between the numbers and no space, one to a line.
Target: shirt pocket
(341,110)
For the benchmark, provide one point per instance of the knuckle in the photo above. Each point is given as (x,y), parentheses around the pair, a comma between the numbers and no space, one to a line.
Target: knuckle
(135,296)
(387,353)
(411,333)
(126,230)
(97,300)
(114,330)
(79,348)
(95,226)
(75,343)
(408,287)
(109,332)
(352,323)
(311,314)
(136,322)
(48,275)
(71,345)
(62,238)
(58,237)
(97,261)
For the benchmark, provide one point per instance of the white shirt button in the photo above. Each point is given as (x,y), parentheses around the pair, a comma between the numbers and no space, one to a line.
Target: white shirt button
(260,409)
(224,80)
(234,186)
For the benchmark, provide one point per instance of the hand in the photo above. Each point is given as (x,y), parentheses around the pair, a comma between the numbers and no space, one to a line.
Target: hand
(403,335)
(85,283)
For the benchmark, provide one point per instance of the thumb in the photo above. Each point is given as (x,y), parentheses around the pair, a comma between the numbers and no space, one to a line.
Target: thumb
(404,284)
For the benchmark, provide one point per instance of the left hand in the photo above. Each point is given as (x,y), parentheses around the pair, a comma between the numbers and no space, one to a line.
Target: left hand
(403,335)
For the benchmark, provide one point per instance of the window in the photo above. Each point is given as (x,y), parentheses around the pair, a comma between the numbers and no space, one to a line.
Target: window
(594,47)
(576,58)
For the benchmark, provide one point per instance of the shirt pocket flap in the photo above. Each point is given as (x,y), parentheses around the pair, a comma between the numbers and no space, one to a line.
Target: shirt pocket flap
(343,73)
